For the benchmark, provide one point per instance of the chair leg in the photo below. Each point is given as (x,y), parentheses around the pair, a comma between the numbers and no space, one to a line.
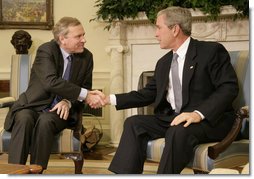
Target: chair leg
(78,160)
(78,165)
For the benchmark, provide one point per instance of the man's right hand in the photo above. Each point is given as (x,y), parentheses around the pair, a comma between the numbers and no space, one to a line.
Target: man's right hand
(95,99)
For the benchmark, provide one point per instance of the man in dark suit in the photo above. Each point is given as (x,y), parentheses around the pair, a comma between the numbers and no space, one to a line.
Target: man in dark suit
(60,82)
(199,111)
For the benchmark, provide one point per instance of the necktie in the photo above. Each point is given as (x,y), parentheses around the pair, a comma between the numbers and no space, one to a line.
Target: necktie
(66,76)
(176,83)
(68,68)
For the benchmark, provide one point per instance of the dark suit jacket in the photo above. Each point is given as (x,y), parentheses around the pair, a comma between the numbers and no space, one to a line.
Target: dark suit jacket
(46,81)
(209,85)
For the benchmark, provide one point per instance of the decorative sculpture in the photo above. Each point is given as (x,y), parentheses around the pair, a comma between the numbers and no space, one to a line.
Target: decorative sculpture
(21,40)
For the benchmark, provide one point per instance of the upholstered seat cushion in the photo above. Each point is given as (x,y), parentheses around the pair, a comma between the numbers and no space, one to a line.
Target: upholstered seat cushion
(237,154)
(65,142)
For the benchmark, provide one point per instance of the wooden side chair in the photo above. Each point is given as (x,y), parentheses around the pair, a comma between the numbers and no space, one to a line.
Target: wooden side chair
(233,150)
(65,143)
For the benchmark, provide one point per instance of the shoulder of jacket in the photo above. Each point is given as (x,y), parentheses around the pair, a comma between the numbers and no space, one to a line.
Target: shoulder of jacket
(51,44)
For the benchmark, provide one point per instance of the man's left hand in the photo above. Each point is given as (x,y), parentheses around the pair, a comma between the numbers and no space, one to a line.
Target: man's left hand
(62,109)
(187,117)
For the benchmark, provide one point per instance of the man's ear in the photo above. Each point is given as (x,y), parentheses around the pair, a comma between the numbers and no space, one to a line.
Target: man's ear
(176,29)
(61,39)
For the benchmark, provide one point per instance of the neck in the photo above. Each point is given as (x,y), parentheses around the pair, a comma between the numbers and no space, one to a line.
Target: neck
(179,41)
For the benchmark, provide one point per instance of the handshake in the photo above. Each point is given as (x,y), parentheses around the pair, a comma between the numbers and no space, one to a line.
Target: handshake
(96,99)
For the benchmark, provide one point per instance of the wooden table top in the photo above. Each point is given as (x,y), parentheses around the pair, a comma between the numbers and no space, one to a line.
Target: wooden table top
(19,169)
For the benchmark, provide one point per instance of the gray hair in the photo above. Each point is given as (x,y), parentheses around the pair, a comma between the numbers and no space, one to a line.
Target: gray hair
(61,27)
(178,15)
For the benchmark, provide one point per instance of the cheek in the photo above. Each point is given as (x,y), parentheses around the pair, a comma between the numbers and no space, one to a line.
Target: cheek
(166,41)
(166,38)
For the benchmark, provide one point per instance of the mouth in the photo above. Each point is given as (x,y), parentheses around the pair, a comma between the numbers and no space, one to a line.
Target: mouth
(81,45)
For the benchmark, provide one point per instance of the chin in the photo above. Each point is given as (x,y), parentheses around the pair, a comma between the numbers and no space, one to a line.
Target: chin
(162,47)
(79,50)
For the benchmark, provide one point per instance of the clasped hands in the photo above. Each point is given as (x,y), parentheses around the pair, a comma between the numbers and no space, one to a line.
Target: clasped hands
(96,99)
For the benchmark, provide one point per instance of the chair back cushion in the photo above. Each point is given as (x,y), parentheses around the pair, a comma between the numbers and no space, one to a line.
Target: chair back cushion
(20,73)
(241,63)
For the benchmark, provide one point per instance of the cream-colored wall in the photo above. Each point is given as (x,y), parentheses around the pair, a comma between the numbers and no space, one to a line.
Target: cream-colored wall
(84,10)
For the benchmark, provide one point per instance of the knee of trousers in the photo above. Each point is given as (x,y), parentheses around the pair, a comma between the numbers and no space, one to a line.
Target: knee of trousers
(25,118)
(176,133)
(45,120)
(179,135)
(132,121)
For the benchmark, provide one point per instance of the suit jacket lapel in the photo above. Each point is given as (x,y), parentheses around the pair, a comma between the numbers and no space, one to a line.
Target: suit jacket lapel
(188,70)
(163,80)
(165,70)
(60,63)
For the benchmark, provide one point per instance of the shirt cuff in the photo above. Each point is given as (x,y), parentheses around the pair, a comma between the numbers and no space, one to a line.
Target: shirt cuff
(112,99)
(82,94)
(201,115)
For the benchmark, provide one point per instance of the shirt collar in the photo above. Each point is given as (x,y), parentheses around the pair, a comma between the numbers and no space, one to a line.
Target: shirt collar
(182,50)
(64,53)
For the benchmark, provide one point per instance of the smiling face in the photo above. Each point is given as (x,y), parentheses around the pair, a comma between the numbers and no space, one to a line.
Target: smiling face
(74,40)
(164,34)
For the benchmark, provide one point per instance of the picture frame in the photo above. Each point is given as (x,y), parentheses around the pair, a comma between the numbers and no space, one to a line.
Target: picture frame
(26,14)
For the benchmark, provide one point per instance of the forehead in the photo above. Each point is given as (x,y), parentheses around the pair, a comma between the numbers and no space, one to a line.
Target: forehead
(160,20)
(76,30)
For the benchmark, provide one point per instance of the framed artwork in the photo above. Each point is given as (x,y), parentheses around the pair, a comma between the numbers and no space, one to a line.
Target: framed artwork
(26,14)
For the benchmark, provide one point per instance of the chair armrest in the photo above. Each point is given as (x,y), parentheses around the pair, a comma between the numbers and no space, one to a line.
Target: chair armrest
(215,150)
(6,102)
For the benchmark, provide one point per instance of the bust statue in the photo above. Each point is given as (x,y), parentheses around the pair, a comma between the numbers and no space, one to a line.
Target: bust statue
(21,40)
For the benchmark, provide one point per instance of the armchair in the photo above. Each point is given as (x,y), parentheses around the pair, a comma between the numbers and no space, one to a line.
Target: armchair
(65,143)
(233,150)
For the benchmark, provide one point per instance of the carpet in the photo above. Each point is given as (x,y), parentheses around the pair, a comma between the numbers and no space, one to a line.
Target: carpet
(96,167)
(92,167)
(95,163)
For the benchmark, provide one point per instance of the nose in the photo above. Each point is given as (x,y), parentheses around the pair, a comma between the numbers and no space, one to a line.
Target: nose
(83,39)
(156,33)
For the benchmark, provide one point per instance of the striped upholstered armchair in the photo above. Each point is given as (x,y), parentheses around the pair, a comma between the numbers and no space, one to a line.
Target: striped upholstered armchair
(233,150)
(65,143)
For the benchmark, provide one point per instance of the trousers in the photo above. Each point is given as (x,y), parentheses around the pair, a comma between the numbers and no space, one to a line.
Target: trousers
(139,129)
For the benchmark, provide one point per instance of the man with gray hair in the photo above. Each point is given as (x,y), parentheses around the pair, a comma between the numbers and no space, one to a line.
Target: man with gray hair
(60,82)
(192,89)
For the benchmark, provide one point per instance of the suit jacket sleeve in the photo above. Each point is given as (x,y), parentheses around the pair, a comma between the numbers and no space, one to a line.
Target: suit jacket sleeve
(223,85)
(142,97)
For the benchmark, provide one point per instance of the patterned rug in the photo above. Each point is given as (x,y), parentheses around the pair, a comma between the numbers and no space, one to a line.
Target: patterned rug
(95,167)
(90,167)
(61,166)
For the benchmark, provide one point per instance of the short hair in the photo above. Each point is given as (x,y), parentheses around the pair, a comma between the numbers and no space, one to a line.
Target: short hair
(178,15)
(61,27)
